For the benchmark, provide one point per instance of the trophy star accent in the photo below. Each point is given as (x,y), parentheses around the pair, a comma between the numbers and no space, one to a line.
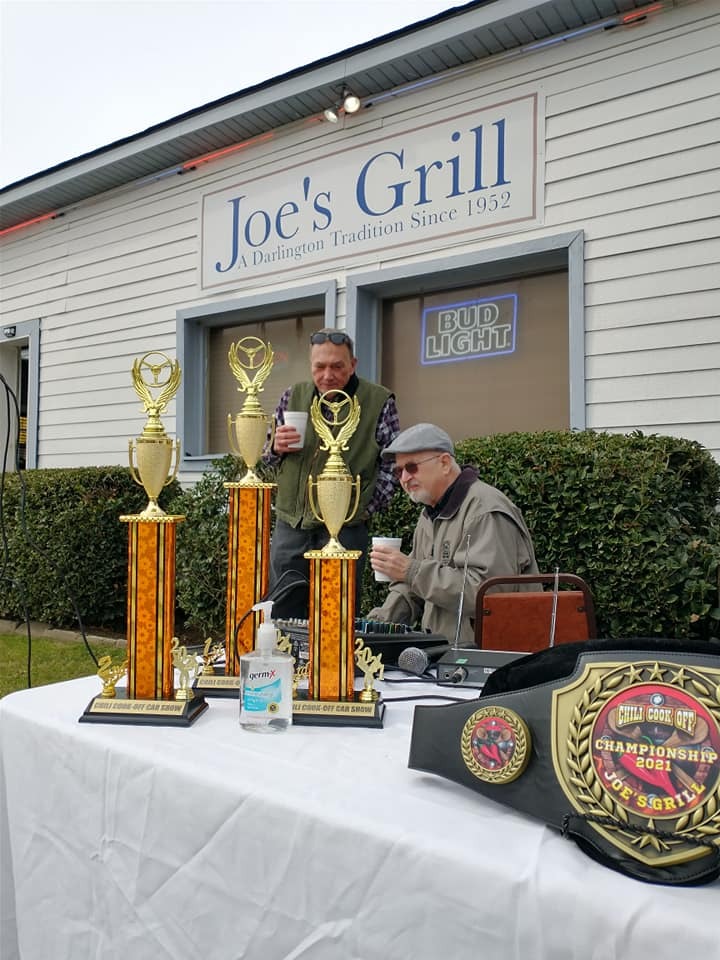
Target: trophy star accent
(187,666)
(110,673)
(372,668)
(211,653)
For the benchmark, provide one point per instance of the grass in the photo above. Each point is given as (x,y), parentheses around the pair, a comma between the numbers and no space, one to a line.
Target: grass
(51,660)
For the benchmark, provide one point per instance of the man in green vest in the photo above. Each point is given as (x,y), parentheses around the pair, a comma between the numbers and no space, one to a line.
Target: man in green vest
(332,367)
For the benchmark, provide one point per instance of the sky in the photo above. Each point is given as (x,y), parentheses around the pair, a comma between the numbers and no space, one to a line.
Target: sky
(76,75)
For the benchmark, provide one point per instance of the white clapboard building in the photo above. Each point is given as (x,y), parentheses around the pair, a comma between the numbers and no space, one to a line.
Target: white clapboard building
(516,215)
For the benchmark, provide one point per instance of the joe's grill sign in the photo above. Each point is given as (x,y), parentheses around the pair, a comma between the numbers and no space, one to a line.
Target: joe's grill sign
(474,172)
(469,330)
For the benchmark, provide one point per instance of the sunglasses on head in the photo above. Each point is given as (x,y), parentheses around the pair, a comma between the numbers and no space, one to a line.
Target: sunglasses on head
(336,338)
(412,466)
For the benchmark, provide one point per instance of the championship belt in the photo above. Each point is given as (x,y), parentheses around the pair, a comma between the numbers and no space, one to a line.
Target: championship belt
(614,742)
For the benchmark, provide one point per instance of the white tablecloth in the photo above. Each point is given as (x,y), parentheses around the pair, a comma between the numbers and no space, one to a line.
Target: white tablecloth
(156,843)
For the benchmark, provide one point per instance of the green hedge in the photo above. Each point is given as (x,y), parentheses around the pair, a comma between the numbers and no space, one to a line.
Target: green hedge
(201,564)
(635,516)
(64,550)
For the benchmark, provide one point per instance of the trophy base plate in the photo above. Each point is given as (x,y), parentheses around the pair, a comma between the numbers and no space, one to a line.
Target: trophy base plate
(337,713)
(160,713)
(217,685)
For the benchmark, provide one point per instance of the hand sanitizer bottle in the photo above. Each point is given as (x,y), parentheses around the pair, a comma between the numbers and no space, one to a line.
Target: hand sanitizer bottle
(266,677)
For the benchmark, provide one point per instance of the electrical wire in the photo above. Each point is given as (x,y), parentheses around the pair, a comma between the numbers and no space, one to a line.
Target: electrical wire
(13,419)
(271,594)
(428,696)
(19,584)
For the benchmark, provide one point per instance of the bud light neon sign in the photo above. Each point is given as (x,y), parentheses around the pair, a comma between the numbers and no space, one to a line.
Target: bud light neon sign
(470,330)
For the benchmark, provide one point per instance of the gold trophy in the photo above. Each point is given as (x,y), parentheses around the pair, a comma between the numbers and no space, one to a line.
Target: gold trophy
(248,432)
(334,486)
(153,449)
(150,696)
(331,697)
(251,361)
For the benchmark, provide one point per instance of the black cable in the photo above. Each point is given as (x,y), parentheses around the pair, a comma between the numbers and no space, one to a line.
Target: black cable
(299,580)
(60,572)
(410,678)
(10,393)
(18,584)
(427,696)
(272,595)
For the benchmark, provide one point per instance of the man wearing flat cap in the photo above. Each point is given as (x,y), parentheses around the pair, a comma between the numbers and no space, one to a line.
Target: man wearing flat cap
(465,523)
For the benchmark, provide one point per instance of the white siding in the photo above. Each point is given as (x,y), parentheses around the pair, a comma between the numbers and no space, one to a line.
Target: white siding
(631,158)
(640,142)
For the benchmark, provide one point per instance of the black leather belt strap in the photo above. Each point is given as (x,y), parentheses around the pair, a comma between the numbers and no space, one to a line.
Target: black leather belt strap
(615,743)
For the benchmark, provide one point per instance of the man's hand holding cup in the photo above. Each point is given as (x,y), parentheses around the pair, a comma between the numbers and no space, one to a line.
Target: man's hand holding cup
(387,560)
(290,435)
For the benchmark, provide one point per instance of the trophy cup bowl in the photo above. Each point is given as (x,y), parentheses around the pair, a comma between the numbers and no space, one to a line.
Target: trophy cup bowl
(247,434)
(331,505)
(333,499)
(153,470)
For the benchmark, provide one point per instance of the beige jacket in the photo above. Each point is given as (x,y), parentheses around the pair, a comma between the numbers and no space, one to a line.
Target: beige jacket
(478,522)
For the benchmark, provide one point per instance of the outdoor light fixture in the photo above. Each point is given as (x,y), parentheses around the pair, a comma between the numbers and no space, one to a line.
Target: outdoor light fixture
(348,103)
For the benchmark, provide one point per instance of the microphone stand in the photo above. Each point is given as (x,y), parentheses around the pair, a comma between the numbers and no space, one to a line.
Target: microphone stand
(456,642)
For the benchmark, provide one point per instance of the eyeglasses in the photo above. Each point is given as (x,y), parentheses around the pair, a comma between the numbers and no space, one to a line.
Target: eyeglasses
(412,466)
(336,338)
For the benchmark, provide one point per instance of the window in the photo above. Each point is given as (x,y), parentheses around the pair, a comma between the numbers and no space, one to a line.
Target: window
(539,384)
(208,391)
(482,359)
(289,338)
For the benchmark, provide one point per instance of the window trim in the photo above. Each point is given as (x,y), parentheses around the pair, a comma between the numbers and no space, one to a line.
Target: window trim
(366,291)
(28,332)
(192,329)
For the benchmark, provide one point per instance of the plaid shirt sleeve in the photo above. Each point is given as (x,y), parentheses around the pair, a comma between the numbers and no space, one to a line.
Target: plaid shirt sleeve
(271,458)
(388,427)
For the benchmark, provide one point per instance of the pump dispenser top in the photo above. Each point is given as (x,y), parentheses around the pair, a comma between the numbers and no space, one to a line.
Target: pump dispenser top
(267,632)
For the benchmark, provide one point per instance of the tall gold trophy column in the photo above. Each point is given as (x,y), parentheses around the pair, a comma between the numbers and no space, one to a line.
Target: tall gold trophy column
(331,697)
(152,650)
(248,517)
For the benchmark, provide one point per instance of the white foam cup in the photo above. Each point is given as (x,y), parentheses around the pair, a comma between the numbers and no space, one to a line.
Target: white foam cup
(395,542)
(298,420)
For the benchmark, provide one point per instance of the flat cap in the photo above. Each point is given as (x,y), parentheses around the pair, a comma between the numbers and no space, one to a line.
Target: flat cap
(423,436)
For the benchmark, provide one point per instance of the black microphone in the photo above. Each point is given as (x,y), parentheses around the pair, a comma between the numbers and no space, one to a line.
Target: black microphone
(417,659)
